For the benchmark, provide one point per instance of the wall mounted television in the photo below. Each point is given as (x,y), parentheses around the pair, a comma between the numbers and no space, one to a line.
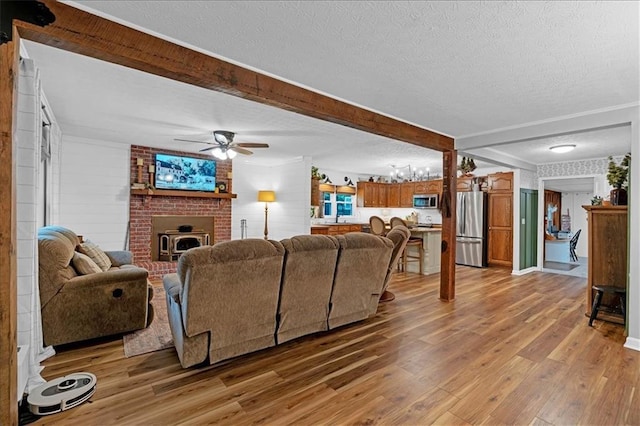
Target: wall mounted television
(185,173)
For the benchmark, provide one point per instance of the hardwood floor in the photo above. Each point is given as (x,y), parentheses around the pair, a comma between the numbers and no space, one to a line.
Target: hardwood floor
(508,350)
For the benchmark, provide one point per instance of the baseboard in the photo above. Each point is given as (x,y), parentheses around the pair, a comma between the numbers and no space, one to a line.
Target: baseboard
(632,343)
(23,369)
(525,271)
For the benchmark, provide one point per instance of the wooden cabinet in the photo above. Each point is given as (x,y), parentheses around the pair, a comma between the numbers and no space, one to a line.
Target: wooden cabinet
(315,192)
(607,252)
(554,198)
(406,194)
(500,182)
(393,195)
(335,229)
(372,194)
(500,244)
(428,187)
(464,184)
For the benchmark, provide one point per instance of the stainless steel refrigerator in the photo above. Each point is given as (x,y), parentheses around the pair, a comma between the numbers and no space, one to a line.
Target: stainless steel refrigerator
(471,229)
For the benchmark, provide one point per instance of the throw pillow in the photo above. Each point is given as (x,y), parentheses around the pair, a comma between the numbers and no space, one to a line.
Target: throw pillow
(84,265)
(96,254)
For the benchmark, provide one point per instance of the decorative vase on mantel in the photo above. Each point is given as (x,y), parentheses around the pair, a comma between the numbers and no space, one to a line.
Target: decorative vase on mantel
(618,197)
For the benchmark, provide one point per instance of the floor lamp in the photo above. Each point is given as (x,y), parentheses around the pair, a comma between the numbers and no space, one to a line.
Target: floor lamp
(266,197)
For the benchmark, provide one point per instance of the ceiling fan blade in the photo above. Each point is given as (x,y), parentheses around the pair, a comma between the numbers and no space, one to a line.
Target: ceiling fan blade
(252,145)
(194,141)
(240,150)
(207,149)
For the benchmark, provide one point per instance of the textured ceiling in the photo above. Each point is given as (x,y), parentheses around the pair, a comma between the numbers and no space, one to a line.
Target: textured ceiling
(459,68)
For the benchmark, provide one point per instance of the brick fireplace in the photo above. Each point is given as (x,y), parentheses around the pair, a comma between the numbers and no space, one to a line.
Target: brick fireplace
(142,208)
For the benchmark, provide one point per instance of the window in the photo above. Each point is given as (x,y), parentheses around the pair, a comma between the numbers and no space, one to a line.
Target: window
(342,204)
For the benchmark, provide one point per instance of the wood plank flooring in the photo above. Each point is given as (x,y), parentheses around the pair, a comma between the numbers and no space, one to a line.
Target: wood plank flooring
(508,350)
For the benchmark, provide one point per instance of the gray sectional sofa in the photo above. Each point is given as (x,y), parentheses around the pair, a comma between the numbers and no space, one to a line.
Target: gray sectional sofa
(240,296)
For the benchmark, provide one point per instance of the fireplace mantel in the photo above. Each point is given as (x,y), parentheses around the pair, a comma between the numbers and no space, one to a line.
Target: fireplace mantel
(173,193)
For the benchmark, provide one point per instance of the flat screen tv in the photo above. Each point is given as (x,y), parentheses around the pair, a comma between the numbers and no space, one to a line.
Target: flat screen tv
(185,173)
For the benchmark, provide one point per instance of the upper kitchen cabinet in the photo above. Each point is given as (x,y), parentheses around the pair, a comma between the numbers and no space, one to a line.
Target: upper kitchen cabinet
(464,184)
(372,194)
(406,194)
(500,182)
(394,195)
(315,192)
(428,187)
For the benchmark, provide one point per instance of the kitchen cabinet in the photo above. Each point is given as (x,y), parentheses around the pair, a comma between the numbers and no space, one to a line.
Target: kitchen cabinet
(607,253)
(500,182)
(315,192)
(428,187)
(372,194)
(338,229)
(431,243)
(555,199)
(500,238)
(393,195)
(464,184)
(406,194)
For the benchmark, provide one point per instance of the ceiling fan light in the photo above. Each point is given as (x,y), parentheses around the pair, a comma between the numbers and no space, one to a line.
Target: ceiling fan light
(231,154)
(219,153)
(561,149)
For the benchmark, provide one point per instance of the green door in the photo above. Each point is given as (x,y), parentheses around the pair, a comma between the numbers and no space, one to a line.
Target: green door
(528,228)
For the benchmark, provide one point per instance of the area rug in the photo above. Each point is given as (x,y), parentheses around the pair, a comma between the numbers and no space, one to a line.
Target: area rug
(155,337)
(560,266)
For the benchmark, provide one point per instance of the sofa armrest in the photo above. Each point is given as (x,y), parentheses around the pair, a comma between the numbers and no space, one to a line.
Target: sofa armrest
(172,286)
(113,276)
(120,257)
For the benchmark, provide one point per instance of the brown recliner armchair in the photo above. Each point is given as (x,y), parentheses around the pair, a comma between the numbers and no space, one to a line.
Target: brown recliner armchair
(399,235)
(79,307)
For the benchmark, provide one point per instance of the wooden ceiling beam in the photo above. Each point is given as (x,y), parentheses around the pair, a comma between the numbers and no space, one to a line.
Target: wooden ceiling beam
(81,32)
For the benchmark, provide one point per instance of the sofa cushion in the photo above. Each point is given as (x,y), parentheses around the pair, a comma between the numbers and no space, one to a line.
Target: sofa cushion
(84,265)
(96,254)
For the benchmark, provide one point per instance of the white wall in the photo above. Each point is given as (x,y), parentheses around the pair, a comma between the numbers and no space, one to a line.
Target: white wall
(573,201)
(289,215)
(28,203)
(94,190)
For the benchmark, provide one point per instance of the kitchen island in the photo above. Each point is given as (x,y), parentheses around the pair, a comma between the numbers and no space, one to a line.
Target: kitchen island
(431,238)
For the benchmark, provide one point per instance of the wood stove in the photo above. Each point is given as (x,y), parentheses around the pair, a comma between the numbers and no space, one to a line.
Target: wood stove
(173,243)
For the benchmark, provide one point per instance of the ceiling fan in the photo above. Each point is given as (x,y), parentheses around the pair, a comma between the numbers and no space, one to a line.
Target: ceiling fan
(223,146)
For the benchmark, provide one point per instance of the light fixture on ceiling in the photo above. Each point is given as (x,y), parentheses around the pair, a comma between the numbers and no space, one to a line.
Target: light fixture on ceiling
(561,149)
(223,136)
(223,153)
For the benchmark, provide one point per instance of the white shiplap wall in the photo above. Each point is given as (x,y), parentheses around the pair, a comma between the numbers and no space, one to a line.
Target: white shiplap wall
(28,202)
(94,190)
(289,215)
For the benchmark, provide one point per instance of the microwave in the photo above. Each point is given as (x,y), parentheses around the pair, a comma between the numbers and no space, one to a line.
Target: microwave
(425,201)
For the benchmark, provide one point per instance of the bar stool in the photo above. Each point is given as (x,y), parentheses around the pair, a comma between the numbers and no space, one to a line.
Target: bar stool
(413,242)
(600,290)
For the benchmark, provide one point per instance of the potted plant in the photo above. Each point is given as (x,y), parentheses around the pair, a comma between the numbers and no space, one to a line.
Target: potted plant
(618,176)
(467,166)
(315,174)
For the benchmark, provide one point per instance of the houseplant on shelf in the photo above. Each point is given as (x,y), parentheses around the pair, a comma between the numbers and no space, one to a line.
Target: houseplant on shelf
(618,176)
(467,165)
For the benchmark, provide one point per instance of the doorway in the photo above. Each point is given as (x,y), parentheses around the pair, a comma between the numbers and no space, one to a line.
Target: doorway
(563,224)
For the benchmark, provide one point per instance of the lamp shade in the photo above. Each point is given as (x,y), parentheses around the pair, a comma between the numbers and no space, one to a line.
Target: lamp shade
(266,196)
